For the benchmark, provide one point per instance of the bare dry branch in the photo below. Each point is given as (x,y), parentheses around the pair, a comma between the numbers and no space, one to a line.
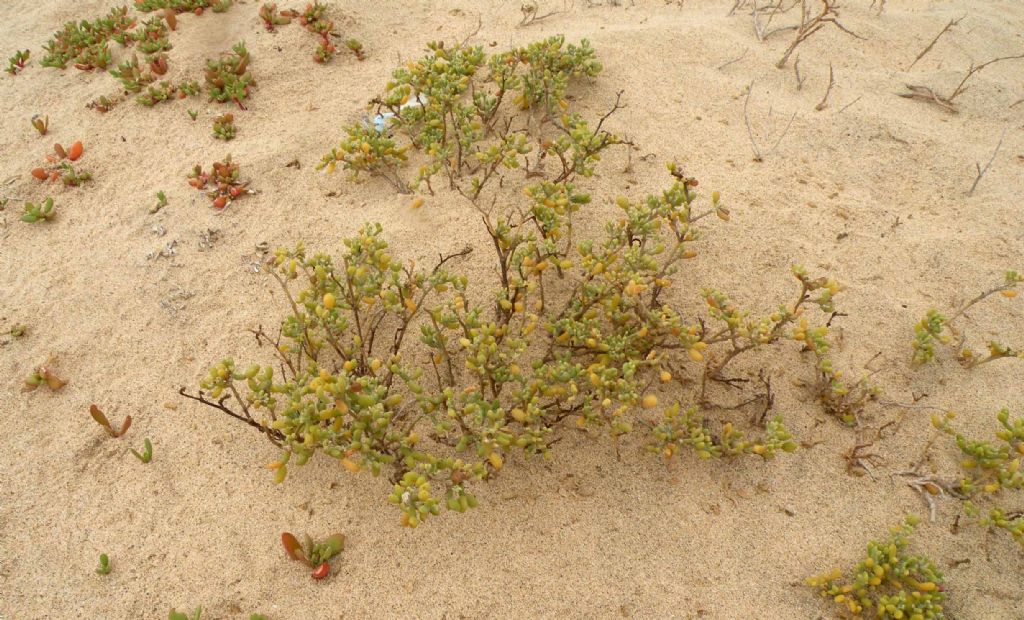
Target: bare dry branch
(831,82)
(946,102)
(812,24)
(949,26)
(982,171)
(929,95)
(761,31)
(843,109)
(799,78)
(737,59)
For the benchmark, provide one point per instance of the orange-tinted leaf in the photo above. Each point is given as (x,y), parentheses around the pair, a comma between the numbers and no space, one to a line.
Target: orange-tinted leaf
(293,548)
(100,418)
(75,151)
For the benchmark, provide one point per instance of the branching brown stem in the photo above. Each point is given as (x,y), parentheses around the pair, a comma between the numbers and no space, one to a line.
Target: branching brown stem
(831,82)
(949,26)
(981,170)
(811,24)
(275,436)
(946,102)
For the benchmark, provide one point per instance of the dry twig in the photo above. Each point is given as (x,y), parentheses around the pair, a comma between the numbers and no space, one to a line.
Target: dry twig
(946,102)
(811,24)
(952,22)
(761,31)
(737,59)
(831,82)
(982,171)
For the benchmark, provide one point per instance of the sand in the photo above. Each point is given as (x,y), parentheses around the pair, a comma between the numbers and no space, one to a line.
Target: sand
(871,190)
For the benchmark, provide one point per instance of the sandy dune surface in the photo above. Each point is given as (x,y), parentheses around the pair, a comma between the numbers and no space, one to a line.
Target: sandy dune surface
(871,190)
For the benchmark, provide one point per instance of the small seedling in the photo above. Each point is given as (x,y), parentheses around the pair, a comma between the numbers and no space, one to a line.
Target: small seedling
(271,17)
(147,452)
(102,420)
(193,114)
(229,79)
(44,374)
(42,212)
(937,328)
(166,91)
(161,202)
(888,584)
(314,555)
(72,177)
(16,63)
(17,330)
(104,567)
(177,615)
(356,48)
(41,123)
(103,104)
(224,127)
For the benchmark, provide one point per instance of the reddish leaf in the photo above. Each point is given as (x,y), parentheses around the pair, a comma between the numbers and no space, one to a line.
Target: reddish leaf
(100,418)
(293,548)
(322,571)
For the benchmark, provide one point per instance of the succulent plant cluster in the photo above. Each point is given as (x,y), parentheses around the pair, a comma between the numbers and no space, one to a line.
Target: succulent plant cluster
(580,328)
(936,328)
(16,63)
(58,166)
(314,19)
(222,183)
(452,105)
(988,469)
(228,78)
(224,127)
(84,44)
(889,583)
(183,6)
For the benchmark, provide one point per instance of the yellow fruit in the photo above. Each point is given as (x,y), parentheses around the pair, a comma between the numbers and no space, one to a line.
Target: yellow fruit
(350,465)
(696,355)
(649,402)
(416,203)
(329,301)
(1010,294)
(665,376)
